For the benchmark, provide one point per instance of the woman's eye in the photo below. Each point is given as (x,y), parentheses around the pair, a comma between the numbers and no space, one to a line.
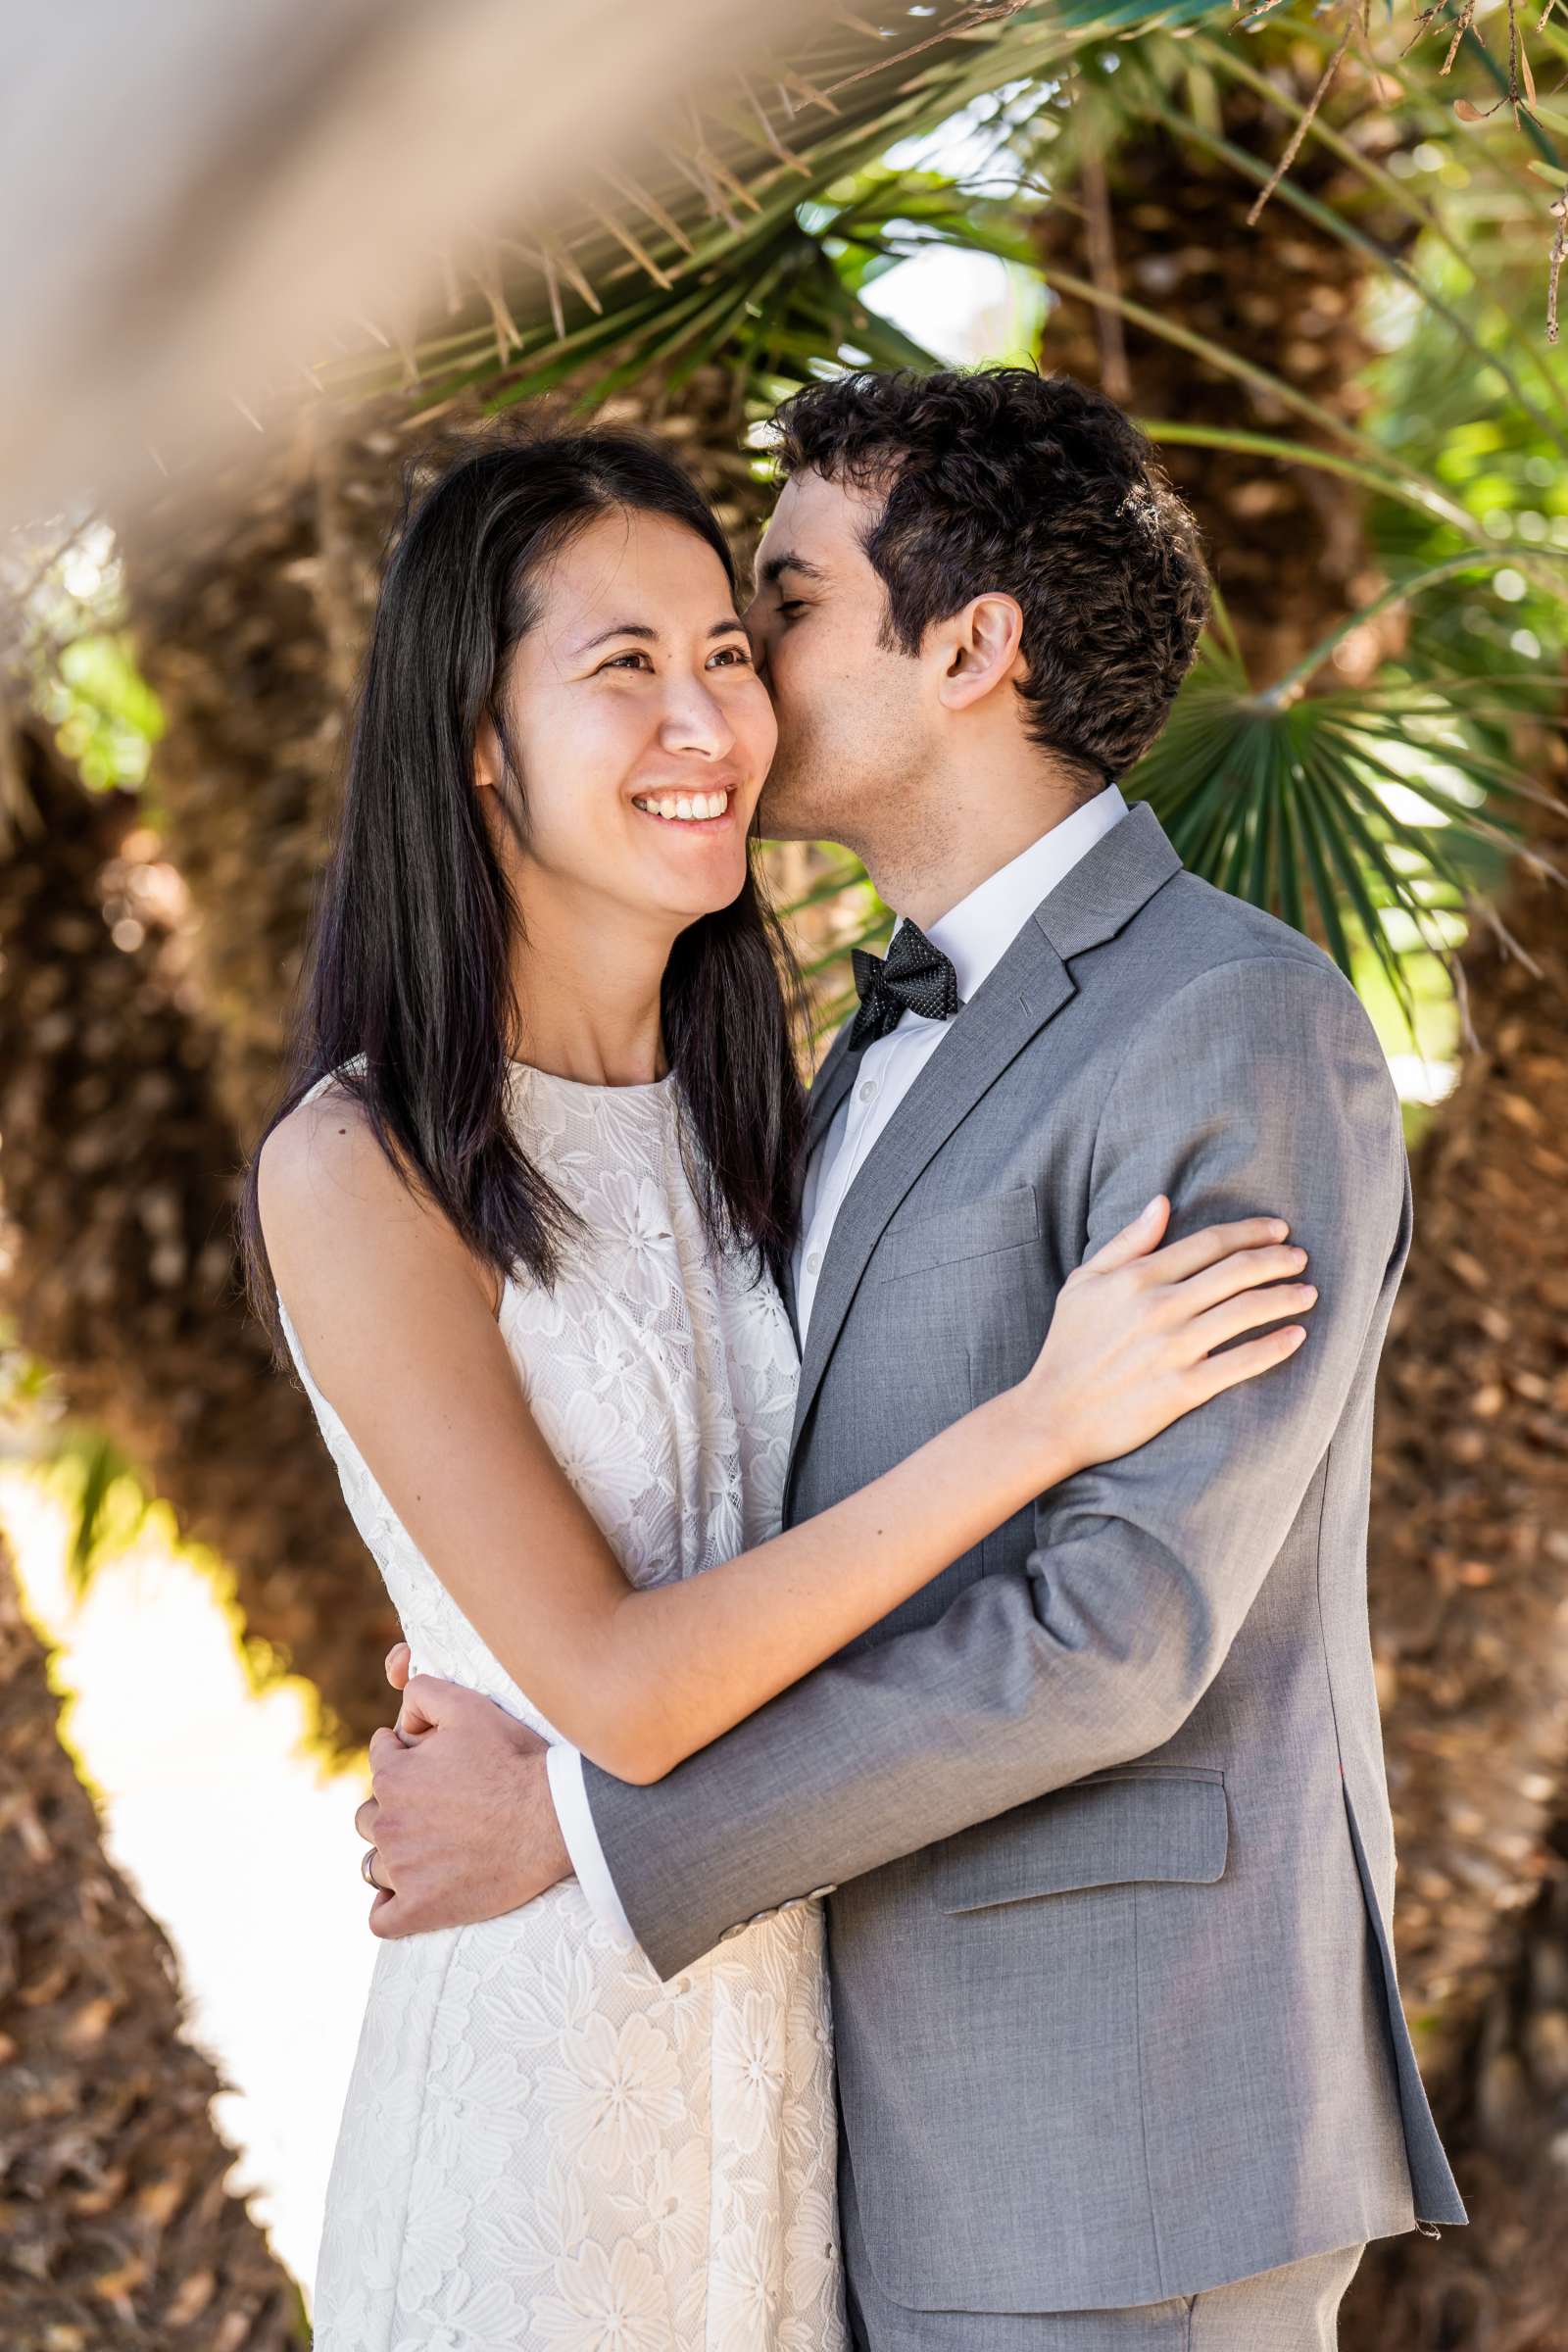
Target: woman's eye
(734,656)
(629,660)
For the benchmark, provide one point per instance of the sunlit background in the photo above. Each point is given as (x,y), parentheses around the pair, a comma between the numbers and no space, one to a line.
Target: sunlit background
(251,1866)
(1364,373)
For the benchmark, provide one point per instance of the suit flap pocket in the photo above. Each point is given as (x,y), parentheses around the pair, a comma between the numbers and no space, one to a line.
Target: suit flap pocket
(1154,1822)
(968,1230)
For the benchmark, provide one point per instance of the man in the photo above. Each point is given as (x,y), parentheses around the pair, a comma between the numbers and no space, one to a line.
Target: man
(1101,1814)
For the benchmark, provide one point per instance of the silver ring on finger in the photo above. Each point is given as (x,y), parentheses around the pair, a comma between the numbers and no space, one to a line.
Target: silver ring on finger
(368,1870)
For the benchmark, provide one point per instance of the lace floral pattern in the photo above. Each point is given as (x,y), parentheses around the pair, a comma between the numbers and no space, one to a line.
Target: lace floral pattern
(543,2145)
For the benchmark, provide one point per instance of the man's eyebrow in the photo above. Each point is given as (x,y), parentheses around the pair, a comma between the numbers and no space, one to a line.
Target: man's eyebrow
(639,629)
(773,571)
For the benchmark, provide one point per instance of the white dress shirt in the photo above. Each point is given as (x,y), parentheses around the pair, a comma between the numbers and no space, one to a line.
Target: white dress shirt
(974,936)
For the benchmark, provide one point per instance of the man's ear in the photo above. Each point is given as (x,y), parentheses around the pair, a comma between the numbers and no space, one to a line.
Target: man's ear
(982,649)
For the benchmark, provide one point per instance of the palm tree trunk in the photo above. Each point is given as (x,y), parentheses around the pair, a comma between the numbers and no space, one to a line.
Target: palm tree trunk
(1162,223)
(119,1175)
(234,605)
(1470,1560)
(114,2223)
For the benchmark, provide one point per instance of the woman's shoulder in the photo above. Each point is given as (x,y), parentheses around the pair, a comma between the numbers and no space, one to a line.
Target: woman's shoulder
(321,1172)
(329,1195)
(326,1134)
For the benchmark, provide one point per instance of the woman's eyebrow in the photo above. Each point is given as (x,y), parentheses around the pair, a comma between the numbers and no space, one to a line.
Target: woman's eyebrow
(639,629)
(620,628)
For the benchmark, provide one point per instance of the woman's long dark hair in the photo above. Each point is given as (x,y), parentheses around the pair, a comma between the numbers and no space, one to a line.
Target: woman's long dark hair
(409,962)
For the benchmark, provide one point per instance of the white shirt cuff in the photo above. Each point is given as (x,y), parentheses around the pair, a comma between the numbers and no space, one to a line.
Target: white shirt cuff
(564,1768)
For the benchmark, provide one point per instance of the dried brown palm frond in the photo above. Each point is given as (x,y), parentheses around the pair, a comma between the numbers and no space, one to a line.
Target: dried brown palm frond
(293,184)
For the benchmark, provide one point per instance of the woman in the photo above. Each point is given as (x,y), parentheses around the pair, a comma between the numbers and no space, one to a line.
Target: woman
(524,1213)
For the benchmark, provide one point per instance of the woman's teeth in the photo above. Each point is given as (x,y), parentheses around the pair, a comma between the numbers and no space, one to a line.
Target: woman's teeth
(686,808)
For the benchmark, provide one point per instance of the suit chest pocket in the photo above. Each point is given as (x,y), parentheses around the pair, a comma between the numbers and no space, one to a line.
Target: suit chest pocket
(959,1301)
(951,1237)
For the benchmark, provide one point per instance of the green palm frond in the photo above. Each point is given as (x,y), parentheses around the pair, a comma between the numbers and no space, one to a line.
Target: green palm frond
(786,301)
(704,230)
(106,1495)
(1482,359)
(761,267)
(1368,817)
(710,206)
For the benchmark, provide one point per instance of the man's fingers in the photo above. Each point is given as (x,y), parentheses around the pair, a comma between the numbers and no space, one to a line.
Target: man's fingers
(426,1702)
(399,1658)
(387,1920)
(384,1746)
(365,1820)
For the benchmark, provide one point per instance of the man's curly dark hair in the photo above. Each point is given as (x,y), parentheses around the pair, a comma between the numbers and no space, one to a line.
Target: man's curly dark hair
(1040,487)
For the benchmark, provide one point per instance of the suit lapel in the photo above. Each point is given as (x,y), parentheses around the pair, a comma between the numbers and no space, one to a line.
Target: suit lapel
(1027,988)
(1028,985)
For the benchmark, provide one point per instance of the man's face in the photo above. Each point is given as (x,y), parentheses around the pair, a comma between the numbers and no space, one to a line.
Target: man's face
(851,728)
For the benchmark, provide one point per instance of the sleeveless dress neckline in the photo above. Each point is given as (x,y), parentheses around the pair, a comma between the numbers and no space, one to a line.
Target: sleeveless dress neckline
(522,1073)
(529,1071)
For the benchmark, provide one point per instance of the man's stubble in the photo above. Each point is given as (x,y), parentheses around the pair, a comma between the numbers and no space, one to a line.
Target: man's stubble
(862,786)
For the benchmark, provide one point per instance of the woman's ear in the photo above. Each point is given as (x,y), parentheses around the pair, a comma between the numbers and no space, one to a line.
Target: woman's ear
(488,765)
(982,644)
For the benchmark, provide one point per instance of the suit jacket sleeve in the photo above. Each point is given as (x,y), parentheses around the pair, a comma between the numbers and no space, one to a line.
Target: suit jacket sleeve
(1259,1088)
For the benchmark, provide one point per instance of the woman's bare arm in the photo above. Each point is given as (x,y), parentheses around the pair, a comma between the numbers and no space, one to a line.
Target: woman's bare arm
(397,1325)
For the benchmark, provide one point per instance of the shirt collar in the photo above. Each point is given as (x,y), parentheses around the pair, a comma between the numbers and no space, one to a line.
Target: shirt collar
(977,932)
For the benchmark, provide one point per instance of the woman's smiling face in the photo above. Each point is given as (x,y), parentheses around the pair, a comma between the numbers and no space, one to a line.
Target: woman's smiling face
(637,721)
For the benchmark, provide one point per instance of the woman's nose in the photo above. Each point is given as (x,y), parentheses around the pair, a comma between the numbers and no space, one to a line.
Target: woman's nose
(697,723)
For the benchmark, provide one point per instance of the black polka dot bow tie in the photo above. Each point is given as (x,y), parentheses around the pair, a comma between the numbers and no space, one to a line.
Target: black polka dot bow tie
(915,977)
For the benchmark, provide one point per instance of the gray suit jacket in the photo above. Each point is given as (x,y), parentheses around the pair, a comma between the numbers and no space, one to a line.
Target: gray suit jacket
(1112,1985)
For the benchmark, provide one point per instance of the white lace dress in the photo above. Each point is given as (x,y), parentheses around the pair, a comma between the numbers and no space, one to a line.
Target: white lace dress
(543,2145)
